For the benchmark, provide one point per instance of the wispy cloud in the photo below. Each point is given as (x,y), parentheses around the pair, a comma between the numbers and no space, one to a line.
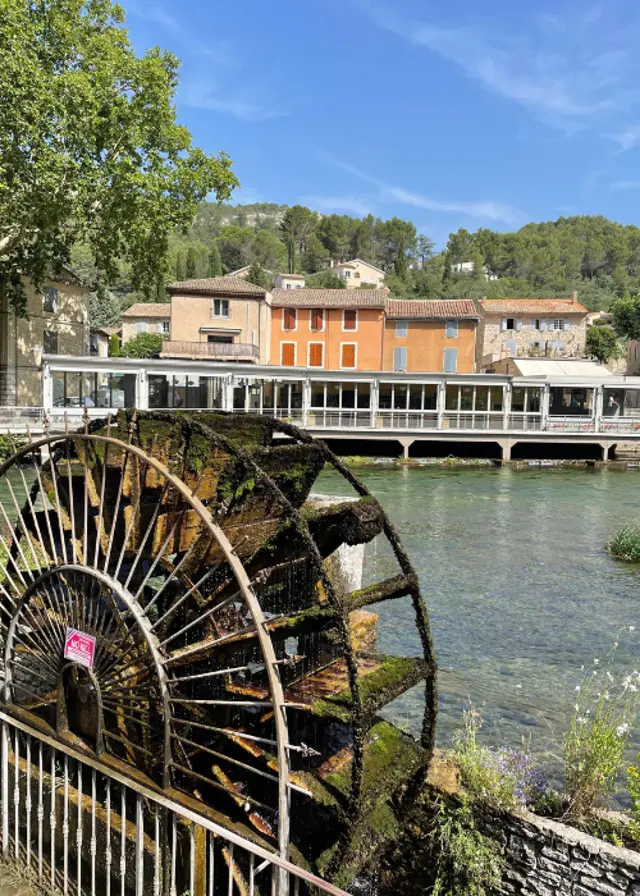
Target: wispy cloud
(354,205)
(571,70)
(201,94)
(627,138)
(626,185)
(487,210)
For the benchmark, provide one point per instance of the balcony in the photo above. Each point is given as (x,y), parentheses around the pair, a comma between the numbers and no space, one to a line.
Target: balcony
(211,351)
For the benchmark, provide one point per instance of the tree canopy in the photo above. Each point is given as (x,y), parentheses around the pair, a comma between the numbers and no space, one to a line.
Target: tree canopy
(90,148)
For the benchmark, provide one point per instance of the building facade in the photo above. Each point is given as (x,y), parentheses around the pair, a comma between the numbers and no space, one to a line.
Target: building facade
(219,318)
(56,323)
(356,273)
(146,317)
(430,336)
(290,281)
(553,328)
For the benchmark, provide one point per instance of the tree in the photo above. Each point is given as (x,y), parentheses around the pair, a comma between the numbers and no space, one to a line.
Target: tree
(424,248)
(143,345)
(259,277)
(235,245)
(325,280)
(90,147)
(191,266)
(104,309)
(297,226)
(477,260)
(602,344)
(335,233)
(215,265)
(269,251)
(180,266)
(626,317)
(115,350)
(400,264)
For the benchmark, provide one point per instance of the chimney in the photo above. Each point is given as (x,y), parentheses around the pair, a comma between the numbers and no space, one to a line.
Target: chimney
(574,296)
(331,262)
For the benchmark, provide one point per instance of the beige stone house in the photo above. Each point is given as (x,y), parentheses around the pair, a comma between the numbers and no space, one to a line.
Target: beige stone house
(552,328)
(357,273)
(57,323)
(290,281)
(146,317)
(219,318)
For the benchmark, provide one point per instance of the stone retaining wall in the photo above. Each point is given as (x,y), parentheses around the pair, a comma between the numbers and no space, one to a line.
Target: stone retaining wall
(547,858)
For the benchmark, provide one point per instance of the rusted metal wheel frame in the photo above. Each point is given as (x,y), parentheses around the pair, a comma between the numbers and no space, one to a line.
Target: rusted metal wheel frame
(252,604)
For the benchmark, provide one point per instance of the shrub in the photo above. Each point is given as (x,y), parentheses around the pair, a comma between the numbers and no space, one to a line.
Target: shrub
(144,345)
(595,744)
(504,777)
(626,544)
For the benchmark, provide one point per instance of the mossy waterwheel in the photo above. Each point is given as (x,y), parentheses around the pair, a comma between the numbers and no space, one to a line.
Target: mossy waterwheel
(233,661)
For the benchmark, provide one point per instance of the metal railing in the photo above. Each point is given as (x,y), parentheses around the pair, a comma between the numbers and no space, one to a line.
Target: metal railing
(570,424)
(82,827)
(473,420)
(334,418)
(209,350)
(398,419)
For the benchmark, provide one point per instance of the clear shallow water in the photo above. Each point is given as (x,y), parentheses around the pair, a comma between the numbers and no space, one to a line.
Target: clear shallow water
(519,588)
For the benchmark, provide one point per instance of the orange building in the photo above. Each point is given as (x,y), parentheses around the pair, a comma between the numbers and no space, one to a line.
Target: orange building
(430,336)
(334,329)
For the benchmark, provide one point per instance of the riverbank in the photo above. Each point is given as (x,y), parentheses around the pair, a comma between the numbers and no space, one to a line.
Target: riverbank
(358,463)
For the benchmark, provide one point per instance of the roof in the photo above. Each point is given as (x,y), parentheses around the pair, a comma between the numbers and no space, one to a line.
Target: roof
(431,310)
(148,309)
(109,331)
(238,271)
(344,264)
(560,367)
(293,276)
(532,306)
(328,298)
(217,286)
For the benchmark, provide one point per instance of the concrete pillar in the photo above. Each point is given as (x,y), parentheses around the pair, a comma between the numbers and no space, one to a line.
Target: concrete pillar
(142,402)
(306,401)
(506,445)
(598,405)
(506,408)
(441,403)
(375,402)
(406,445)
(47,389)
(606,448)
(544,407)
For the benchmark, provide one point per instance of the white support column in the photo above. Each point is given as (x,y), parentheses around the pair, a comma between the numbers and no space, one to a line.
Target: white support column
(47,389)
(506,405)
(306,401)
(441,403)
(142,390)
(598,407)
(544,407)
(228,393)
(375,402)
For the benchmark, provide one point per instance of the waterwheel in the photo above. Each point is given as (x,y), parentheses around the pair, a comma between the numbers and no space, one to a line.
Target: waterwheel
(175,600)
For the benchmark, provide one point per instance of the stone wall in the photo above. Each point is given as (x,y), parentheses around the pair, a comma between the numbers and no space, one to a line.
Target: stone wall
(498,343)
(547,858)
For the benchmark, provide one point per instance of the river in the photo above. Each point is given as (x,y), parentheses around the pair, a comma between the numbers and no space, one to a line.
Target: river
(520,589)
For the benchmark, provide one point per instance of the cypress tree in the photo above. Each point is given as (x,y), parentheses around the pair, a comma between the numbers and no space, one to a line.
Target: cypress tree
(192,263)
(215,265)
(180,266)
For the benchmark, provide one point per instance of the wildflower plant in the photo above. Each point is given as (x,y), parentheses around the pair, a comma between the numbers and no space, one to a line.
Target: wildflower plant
(594,747)
(503,777)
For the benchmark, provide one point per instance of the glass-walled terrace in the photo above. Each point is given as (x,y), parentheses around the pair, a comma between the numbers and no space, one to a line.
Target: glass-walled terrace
(373,401)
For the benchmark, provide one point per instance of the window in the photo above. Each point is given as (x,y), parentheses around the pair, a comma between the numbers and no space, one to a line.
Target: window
(289,318)
(317,319)
(400,358)
(402,328)
(558,325)
(347,274)
(220,308)
(537,323)
(50,300)
(356,275)
(348,355)
(50,342)
(316,354)
(450,360)
(165,327)
(452,329)
(288,286)
(349,320)
(288,354)
(510,323)
(141,326)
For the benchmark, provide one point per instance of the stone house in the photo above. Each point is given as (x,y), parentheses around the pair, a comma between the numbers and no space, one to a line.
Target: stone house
(290,281)
(219,319)
(552,328)
(357,273)
(56,323)
(146,317)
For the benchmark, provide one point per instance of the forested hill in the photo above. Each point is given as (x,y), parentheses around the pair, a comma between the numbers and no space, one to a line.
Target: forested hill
(596,256)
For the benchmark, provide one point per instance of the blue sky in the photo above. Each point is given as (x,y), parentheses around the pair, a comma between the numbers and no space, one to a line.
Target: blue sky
(450,113)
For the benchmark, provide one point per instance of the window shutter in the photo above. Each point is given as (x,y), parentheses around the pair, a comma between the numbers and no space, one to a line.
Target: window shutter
(567,324)
(544,325)
(503,324)
(348,356)
(400,358)
(402,328)
(288,354)
(289,319)
(518,324)
(315,354)
(452,329)
(317,319)
(350,318)
(450,360)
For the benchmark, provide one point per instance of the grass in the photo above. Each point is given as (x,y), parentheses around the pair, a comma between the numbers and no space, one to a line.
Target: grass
(626,544)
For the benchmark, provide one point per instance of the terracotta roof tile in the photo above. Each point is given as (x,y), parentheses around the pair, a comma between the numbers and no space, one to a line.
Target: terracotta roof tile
(216,286)
(532,306)
(329,298)
(442,309)
(148,309)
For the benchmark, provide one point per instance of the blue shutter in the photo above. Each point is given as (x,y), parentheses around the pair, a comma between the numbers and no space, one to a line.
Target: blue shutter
(567,324)
(450,360)
(400,358)
(452,329)
(402,328)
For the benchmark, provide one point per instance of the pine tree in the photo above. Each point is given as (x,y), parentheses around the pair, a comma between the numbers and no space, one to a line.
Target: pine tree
(215,265)
(180,275)
(192,263)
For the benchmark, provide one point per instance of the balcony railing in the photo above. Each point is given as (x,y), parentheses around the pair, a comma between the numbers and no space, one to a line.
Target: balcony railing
(215,351)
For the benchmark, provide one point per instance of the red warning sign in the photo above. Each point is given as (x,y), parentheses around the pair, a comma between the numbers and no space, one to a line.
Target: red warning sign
(79,647)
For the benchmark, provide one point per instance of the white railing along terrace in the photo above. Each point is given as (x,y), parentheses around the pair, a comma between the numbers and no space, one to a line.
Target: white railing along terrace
(82,827)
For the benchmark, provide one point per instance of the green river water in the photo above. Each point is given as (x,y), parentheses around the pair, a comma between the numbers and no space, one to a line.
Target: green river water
(520,589)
